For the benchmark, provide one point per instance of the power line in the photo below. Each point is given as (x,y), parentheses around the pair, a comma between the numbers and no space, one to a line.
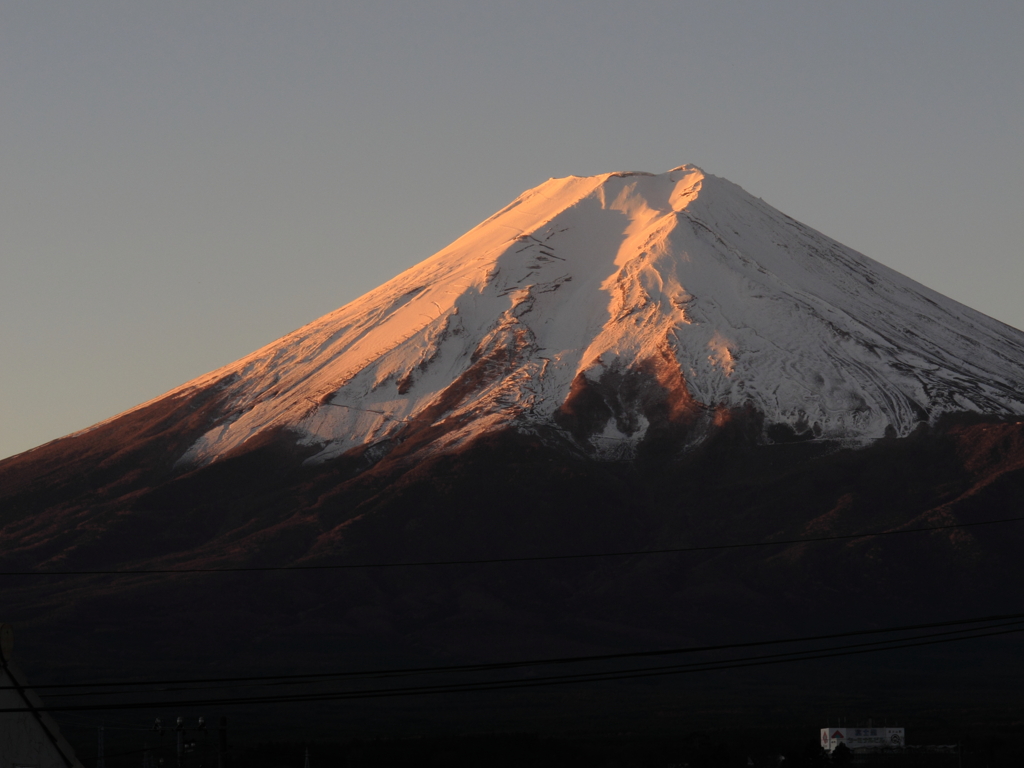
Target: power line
(549,661)
(1018,625)
(821,653)
(488,561)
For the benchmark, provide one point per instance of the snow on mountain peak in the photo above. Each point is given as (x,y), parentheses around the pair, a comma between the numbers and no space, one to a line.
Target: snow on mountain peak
(604,307)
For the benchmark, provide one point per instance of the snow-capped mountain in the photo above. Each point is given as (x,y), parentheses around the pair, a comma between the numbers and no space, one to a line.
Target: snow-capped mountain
(461,414)
(598,306)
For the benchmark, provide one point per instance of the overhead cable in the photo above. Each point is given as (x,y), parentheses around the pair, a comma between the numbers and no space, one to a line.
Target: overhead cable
(961,628)
(491,685)
(492,560)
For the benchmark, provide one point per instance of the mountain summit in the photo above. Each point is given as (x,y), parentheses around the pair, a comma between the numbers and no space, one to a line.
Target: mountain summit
(608,309)
(463,424)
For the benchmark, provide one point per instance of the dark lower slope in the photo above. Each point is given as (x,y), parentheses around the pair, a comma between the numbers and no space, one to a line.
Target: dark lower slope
(94,502)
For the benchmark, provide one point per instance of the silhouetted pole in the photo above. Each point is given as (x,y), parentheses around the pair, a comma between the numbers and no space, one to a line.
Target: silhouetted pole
(100,760)
(222,744)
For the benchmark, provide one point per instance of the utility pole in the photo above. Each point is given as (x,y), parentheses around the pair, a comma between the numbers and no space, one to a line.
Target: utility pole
(101,761)
(222,744)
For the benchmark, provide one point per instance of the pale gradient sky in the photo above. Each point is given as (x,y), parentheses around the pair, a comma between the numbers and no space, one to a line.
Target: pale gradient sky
(181,183)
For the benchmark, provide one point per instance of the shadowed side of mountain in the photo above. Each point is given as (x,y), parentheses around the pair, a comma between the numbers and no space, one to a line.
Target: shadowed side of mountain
(53,493)
(512,495)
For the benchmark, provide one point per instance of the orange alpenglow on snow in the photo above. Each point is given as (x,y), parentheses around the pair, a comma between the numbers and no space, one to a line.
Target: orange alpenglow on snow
(600,306)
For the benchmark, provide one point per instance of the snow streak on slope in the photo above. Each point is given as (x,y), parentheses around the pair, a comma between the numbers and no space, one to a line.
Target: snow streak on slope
(598,305)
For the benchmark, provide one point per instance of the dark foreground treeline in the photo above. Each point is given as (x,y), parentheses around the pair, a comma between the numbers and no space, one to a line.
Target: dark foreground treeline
(694,750)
